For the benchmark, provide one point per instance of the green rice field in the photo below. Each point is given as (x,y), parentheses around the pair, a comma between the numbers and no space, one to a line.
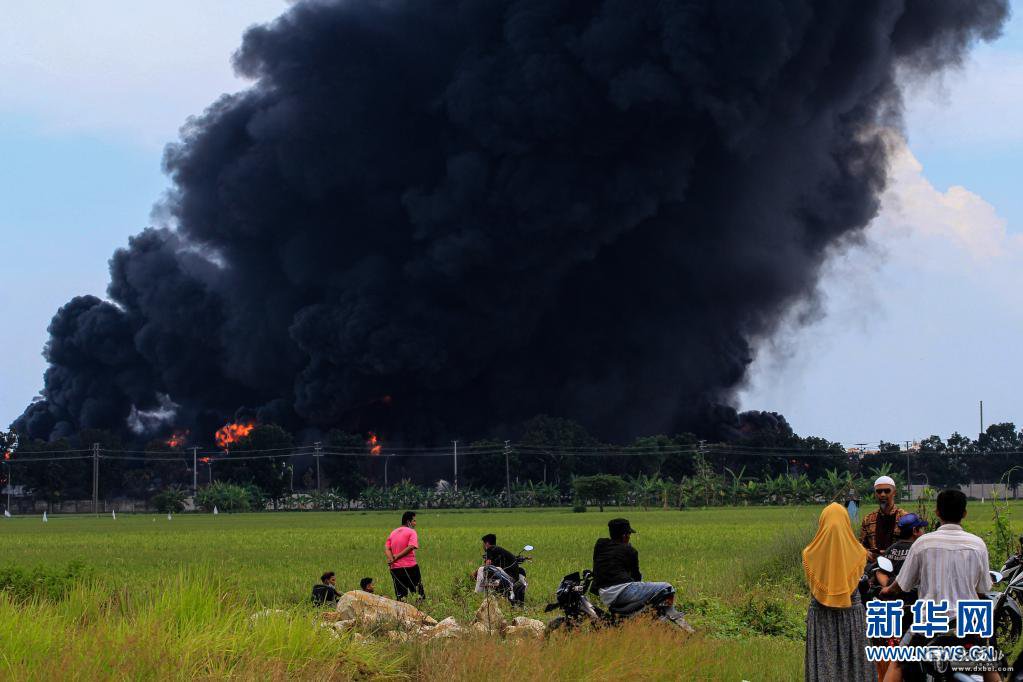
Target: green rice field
(173,599)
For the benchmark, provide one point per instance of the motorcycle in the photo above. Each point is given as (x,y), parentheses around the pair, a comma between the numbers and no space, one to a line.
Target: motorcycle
(492,579)
(1008,616)
(579,610)
(869,586)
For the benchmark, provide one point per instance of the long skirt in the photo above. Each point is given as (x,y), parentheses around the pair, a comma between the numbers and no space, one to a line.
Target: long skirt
(836,641)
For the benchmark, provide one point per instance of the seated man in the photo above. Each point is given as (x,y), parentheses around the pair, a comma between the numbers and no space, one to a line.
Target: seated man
(616,577)
(495,555)
(326,592)
(366,585)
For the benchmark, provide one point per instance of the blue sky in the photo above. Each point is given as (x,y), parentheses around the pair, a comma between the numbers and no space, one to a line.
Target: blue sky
(915,327)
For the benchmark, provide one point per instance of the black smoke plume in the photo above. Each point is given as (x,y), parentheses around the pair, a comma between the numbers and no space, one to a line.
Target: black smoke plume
(431,218)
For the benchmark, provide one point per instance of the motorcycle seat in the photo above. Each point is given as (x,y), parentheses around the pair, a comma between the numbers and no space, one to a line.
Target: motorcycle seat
(628,609)
(634,607)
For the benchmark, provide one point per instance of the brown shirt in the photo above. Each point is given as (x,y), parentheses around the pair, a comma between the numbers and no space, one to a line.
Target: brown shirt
(877,532)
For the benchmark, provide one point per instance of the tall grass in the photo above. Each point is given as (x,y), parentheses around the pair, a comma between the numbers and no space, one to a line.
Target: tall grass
(172,600)
(639,650)
(185,628)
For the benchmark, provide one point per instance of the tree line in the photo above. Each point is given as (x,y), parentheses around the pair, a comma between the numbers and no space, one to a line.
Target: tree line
(767,465)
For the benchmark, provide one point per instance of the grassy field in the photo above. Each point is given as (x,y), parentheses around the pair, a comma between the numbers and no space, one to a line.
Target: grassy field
(173,599)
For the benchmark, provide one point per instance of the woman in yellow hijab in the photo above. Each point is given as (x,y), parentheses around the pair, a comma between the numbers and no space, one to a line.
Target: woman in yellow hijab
(836,624)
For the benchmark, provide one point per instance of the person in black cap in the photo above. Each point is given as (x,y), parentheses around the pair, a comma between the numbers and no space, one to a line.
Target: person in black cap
(496,555)
(908,529)
(616,576)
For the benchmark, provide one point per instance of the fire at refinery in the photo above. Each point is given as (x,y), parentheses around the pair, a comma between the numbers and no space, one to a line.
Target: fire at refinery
(232,433)
(177,439)
(374,445)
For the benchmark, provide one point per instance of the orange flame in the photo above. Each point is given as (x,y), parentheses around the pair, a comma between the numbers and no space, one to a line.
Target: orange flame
(7,455)
(204,460)
(231,433)
(374,446)
(177,439)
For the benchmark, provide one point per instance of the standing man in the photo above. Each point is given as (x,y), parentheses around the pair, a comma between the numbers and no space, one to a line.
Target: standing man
(877,532)
(400,550)
(948,564)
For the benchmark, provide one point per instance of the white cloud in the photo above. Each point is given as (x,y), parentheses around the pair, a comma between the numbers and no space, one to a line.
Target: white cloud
(120,68)
(913,209)
(920,324)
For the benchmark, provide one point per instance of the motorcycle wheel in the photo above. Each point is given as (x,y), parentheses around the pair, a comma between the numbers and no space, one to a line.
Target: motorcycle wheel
(1008,628)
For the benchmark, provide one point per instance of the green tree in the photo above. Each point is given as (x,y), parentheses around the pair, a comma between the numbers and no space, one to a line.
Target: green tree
(269,471)
(228,497)
(347,471)
(940,466)
(169,500)
(483,464)
(48,479)
(600,488)
(556,441)
(998,443)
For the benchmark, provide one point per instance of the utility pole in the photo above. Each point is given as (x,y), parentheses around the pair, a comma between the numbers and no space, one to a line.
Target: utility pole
(317,447)
(507,472)
(387,459)
(10,483)
(195,471)
(982,417)
(95,479)
(909,478)
(456,464)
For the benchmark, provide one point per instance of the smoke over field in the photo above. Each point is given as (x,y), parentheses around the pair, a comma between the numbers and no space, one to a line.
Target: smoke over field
(454,215)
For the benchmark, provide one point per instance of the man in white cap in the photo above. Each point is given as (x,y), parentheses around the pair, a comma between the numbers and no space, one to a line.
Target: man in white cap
(877,532)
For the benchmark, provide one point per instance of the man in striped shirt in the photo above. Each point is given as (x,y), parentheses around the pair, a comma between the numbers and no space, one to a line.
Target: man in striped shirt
(946,565)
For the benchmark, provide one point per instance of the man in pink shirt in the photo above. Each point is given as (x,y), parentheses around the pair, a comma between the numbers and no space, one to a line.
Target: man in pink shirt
(400,550)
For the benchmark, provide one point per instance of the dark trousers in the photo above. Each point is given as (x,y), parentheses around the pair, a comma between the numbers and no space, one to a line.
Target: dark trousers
(406,581)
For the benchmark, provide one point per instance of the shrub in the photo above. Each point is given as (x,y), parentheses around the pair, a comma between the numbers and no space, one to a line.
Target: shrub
(229,497)
(48,583)
(602,488)
(768,615)
(169,500)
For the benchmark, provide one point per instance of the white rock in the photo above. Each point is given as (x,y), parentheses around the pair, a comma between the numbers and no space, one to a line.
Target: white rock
(372,608)
(524,630)
(489,614)
(448,627)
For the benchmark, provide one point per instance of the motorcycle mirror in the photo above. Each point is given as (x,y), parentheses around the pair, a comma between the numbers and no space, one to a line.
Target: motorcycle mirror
(885,564)
(528,548)
(996,577)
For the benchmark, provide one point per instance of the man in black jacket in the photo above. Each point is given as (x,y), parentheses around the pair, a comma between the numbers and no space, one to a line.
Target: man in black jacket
(616,577)
(495,555)
(326,592)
